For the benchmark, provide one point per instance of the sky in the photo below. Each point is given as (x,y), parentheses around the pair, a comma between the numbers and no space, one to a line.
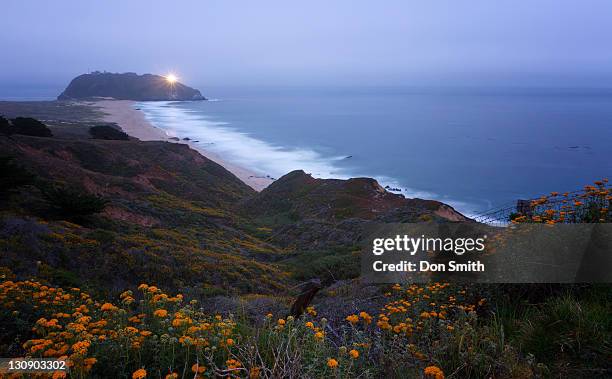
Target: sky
(339,42)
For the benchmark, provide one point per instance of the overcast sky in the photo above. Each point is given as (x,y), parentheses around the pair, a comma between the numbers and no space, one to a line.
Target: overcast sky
(227,42)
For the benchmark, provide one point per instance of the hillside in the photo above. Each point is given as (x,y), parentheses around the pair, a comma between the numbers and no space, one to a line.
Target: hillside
(174,216)
(146,259)
(301,196)
(329,215)
(128,86)
(169,219)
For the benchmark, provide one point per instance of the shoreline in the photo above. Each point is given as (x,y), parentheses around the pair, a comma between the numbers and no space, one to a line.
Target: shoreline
(133,122)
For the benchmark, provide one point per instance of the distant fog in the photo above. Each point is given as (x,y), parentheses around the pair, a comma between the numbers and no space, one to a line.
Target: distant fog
(340,42)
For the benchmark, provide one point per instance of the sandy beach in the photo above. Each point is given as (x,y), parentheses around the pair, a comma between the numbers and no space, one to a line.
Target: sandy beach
(134,123)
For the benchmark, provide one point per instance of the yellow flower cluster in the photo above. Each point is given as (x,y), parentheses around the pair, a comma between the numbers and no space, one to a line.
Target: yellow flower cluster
(415,309)
(592,204)
(152,324)
(76,327)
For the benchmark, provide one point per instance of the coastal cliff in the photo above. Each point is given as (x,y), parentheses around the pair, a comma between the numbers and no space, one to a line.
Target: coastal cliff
(128,86)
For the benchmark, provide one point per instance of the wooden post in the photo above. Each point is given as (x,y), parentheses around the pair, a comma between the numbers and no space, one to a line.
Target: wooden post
(304,299)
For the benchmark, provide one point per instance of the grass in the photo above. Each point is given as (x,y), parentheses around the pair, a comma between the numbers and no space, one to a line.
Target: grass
(572,331)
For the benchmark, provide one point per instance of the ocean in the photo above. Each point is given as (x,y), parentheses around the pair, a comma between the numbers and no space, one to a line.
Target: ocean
(475,149)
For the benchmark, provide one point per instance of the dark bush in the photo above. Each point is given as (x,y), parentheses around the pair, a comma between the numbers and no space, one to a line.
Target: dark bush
(13,176)
(30,127)
(107,132)
(72,202)
(5,126)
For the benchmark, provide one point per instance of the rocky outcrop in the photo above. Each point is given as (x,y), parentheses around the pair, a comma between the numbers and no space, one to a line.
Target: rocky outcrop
(128,86)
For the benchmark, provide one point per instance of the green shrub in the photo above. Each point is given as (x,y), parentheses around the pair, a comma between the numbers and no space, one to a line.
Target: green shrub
(332,265)
(107,132)
(5,126)
(13,176)
(73,202)
(30,127)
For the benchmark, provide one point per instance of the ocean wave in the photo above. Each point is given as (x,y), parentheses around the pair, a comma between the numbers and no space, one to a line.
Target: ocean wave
(238,147)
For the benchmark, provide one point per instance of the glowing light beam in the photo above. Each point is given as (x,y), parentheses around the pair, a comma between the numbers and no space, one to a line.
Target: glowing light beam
(171,78)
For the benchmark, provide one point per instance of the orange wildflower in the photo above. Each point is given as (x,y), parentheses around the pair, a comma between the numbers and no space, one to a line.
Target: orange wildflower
(433,372)
(197,368)
(161,313)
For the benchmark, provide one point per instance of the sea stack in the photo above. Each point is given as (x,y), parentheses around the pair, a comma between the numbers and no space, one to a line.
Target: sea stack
(128,86)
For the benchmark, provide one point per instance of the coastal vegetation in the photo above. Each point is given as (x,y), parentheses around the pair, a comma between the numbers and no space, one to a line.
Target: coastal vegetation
(421,331)
(4,126)
(135,259)
(107,132)
(24,125)
(589,205)
(12,176)
(73,203)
